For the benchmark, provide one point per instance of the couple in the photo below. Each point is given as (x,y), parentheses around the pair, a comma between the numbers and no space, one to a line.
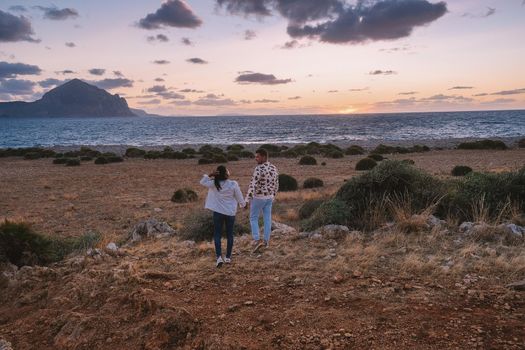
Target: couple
(224,195)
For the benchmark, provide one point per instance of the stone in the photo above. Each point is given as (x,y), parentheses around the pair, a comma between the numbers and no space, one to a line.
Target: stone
(150,228)
(334,231)
(157,210)
(466,226)
(433,221)
(513,230)
(282,228)
(5,345)
(112,247)
(338,278)
(517,285)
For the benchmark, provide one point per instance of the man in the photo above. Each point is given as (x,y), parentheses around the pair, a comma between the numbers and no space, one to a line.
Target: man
(261,193)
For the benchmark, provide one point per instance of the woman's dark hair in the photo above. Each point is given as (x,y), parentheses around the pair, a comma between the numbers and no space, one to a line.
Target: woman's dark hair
(222,174)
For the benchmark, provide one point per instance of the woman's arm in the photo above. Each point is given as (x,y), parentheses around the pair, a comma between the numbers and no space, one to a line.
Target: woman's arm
(206,181)
(238,196)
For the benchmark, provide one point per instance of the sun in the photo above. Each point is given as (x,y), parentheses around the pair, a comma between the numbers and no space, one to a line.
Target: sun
(347,110)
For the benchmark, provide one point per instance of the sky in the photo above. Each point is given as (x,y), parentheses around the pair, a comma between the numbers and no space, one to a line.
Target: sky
(262,57)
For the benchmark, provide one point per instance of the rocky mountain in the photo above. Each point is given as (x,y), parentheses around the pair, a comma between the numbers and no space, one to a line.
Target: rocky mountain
(72,99)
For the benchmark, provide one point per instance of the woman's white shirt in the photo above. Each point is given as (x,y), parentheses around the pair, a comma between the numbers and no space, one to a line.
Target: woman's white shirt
(224,201)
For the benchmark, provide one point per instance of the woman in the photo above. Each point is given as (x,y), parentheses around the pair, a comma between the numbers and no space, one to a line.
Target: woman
(223,197)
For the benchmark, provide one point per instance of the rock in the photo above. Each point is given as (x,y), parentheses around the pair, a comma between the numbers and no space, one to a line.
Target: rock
(334,231)
(157,210)
(150,228)
(466,226)
(338,278)
(112,247)
(5,345)
(517,285)
(188,244)
(248,303)
(478,230)
(512,230)
(433,221)
(303,235)
(282,228)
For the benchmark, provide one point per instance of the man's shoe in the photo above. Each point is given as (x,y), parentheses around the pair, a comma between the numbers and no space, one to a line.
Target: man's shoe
(257,246)
(266,244)
(219,261)
(227,260)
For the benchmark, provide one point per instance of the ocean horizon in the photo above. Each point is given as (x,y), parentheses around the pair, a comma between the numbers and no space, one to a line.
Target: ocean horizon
(290,129)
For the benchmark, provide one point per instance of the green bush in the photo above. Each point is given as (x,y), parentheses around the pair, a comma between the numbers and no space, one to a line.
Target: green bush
(308,208)
(521,143)
(152,155)
(461,170)
(313,182)
(189,151)
(354,150)
(335,154)
(232,158)
(271,148)
(134,152)
(331,212)
(115,159)
(32,156)
(384,149)
(60,160)
(199,227)
(365,164)
(73,162)
(220,158)
(20,245)
(307,160)
(235,147)
(205,161)
(483,144)
(289,154)
(246,154)
(101,160)
(376,157)
(409,161)
(184,195)
(86,158)
(287,183)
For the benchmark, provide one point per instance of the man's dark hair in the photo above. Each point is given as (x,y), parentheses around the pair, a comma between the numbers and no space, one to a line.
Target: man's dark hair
(262,152)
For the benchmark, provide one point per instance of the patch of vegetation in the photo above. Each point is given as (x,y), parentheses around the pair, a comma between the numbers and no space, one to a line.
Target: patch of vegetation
(189,151)
(365,164)
(235,148)
(134,152)
(307,160)
(73,162)
(101,160)
(60,160)
(28,153)
(220,158)
(335,154)
(287,183)
(202,161)
(199,227)
(376,157)
(86,159)
(152,155)
(308,208)
(461,170)
(330,212)
(521,143)
(483,144)
(323,163)
(271,148)
(232,158)
(354,150)
(313,182)
(184,195)
(385,149)
(246,154)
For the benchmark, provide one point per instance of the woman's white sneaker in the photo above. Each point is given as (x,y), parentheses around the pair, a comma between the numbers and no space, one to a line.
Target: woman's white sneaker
(219,261)
(227,260)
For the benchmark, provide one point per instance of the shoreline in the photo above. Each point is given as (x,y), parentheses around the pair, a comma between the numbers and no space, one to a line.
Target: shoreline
(449,143)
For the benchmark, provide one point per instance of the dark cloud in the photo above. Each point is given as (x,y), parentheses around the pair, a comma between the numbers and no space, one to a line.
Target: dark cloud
(500,100)
(336,21)
(294,98)
(11,70)
(490,11)
(16,87)
(159,37)
(172,13)
(449,98)
(382,72)
(186,41)
(292,44)
(14,28)
(159,80)
(191,91)
(481,95)
(118,73)
(161,62)
(155,101)
(196,60)
(157,89)
(461,88)
(358,89)
(97,71)
(249,34)
(260,78)
(113,83)
(332,91)
(510,92)
(70,44)
(170,95)
(265,100)
(51,82)
(18,8)
(408,93)
(57,14)
(66,71)
(205,101)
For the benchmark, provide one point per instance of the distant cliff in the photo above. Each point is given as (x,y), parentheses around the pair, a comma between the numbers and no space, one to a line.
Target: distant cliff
(72,99)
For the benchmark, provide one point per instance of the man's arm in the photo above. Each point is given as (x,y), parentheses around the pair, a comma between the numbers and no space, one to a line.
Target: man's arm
(251,187)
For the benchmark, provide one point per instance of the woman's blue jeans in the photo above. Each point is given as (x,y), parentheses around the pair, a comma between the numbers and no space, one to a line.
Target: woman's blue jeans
(218,221)
(256,207)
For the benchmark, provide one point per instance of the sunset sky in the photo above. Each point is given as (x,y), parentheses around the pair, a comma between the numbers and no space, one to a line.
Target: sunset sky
(223,57)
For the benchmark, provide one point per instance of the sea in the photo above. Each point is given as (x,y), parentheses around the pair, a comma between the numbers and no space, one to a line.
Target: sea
(281,129)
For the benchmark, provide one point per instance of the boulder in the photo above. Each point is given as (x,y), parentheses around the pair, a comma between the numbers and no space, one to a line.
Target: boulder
(517,285)
(334,231)
(433,221)
(282,227)
(112,247)
(512,230)
(466,226)
(150,228)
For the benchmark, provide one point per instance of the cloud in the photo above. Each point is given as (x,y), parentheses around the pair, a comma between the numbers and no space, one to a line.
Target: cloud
(510,92)
(260,78)
(358,89)
(18,8)
(441,97)
(97,71)
(113,83)
(118,73)
(204,101)
(170,95)
(159,80)
(13,28)
(435,100)
(461,88)
(382,72)
(191,91)
(265,100)
(500,101)
(70,44)
(196,60)
(154,101)
(336,21)
(480,95)
(408,93)
(490,11)
(186,41)
(249,34)
(181,103)
(292,44)
(157,89)
(56,14)
(294,98)
(66,71)
(332,91)
(161,62)
(51,82)
(160,37)
(11,70)
(172,13)
(16,87)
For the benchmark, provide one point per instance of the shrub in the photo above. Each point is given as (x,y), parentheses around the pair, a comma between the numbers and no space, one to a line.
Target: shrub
(521,143)
(408,161)
(235,147)
(335,154)
(114,159)
(32,156)
(483,144)
(60,160)
(461,170)
(287,183)
(246,154)
(289,154)
(174,155)
(365,164)
(307,160)
(189,151)
(199,227)
(323,163)
(376,157)
(134,152)
(184,195)
(205,161)
(308,208)
(20,245)
(73,162)
(333,212)
(271,148)
(232,158)
(86,158)
(354,150)
(101,160)
(88,152)
(384,149)
(313,182)
(152,155)
(220,158)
